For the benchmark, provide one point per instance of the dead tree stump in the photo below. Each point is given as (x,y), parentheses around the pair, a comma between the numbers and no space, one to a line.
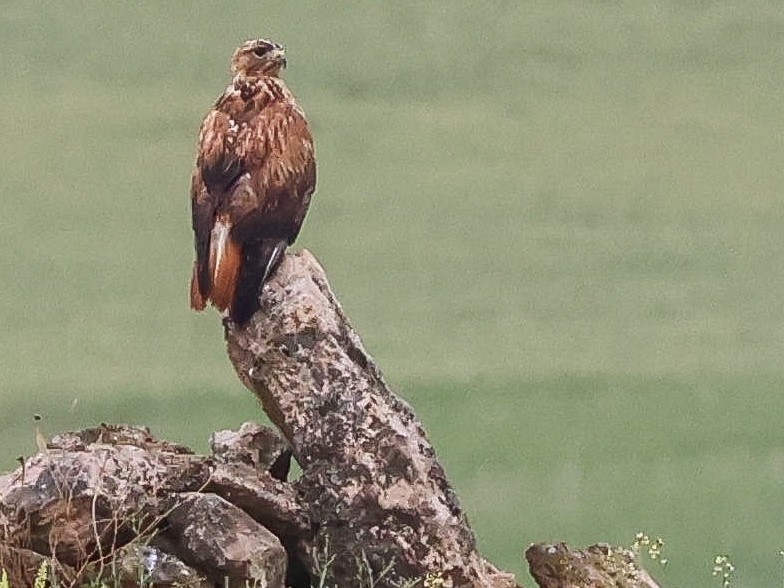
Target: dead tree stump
(380,500)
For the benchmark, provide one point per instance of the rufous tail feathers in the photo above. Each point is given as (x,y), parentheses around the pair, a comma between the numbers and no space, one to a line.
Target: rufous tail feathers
(225,263)
(224,270)
(237,272)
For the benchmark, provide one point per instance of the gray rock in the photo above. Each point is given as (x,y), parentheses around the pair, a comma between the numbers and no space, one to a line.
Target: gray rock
(556,565)
(371,482)
(271,502)
(253,444)
(215,536)
(22,566)
(145,565)
(92,492)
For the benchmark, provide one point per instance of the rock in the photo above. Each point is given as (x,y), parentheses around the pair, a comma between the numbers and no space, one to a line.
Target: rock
(558,566)
(23,565)
(254,445)
(90,498)
(79,529)
(117,505)
(114,435)
(96,500)
(146,565)
(373,504)
(271,502)
(215,536)
(371,482)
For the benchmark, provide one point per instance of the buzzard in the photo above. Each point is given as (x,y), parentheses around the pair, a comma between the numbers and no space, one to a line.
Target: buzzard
(254,176)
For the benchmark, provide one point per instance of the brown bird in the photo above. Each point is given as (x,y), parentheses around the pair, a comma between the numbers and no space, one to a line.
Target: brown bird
(254,177)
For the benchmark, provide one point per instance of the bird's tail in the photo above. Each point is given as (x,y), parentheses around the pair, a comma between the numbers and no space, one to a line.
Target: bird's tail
(225,262)
(197,298)
(260,260)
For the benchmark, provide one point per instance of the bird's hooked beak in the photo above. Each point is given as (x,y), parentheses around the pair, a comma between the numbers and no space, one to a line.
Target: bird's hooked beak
(278,53)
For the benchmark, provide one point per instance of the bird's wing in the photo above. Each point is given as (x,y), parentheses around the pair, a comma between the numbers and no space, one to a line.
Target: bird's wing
(217,166)
(220,159)
(269,201)
(271,198)
(202,215)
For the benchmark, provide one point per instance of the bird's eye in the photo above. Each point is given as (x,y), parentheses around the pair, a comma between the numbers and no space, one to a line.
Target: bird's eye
(260,50)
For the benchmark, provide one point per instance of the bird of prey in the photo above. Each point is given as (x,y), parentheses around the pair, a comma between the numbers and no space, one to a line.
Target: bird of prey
(251,187)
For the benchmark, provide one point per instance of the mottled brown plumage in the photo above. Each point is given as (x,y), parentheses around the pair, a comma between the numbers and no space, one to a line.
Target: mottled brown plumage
(255,173)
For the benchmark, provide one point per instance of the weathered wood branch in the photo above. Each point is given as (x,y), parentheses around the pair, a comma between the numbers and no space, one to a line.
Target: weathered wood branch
(371,481)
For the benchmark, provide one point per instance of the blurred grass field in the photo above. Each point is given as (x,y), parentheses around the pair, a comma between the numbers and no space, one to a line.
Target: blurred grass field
(558,227)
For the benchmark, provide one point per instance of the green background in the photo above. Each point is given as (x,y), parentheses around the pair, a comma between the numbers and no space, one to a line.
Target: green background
(557,226)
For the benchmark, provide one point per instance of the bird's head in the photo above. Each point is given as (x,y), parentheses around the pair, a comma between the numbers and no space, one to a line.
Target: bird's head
(258,57)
